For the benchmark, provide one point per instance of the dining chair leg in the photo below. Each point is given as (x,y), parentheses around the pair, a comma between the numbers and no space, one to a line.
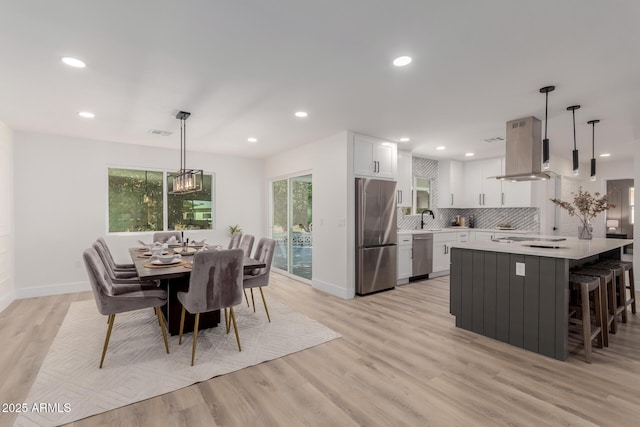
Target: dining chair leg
(195,338)
(112,318)
(181,325)
(164,331)
(235,327)
(245,297)
(264,301)
(253,301)
(227,320)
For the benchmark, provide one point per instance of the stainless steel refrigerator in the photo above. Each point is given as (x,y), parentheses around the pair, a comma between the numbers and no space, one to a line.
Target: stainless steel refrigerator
(376,235)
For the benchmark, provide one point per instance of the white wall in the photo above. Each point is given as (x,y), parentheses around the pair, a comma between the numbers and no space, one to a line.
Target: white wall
(61,203)
(327,161)
(7,293)
(636,217)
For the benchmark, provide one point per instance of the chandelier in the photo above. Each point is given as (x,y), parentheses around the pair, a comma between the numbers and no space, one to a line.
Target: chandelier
(185,180)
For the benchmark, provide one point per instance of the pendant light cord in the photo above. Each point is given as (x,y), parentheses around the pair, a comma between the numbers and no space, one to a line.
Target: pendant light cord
(574,129)
(546,108)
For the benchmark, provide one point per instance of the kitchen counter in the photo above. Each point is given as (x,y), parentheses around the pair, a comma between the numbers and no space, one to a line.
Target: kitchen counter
(571,248)
(518,294)
(456,229)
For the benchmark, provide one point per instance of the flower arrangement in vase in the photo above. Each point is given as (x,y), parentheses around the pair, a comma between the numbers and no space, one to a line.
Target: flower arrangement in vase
(586,207)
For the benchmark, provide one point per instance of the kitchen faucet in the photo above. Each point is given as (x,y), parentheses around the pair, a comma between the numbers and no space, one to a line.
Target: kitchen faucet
(429,211)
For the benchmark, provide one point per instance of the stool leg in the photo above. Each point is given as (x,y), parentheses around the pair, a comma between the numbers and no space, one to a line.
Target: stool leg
(611,299)
(602,308)
(586,321)
(632,288)
(622,288)
(597,307)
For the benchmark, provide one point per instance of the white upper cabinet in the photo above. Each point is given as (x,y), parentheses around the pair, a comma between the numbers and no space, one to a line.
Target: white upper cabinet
(404,178)
(483,190)
(449,184)
(516,194)
(374,157)
(492,187)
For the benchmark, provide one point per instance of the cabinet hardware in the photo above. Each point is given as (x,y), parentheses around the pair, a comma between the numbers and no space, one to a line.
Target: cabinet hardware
(411,253)
(502,200)
(446,249)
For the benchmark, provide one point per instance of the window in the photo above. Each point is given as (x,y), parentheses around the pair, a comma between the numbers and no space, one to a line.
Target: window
(190,211)
(135,200)
(137,203)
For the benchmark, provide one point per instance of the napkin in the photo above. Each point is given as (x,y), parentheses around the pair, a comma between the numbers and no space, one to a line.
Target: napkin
(172,240)
(198,243)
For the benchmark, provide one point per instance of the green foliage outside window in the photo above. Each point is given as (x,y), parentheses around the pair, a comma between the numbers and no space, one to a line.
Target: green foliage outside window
(136,203)
(135,200)
(190,211)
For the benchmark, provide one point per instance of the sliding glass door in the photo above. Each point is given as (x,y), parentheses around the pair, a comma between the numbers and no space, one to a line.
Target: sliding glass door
(291,224)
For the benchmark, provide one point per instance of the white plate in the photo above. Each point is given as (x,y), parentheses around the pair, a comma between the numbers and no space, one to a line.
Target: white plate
(158,262)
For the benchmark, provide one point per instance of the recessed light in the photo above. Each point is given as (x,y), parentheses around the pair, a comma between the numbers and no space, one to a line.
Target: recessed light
(468,154)
(252,140)
(301,114)
(73,62)
(605,155)
(405,139)
(402,61)
(440,148)
(86,114)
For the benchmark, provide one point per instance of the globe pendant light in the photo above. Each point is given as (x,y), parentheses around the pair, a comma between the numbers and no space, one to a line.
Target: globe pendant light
(576,163)
(545,142)
(185,180)
(593,148)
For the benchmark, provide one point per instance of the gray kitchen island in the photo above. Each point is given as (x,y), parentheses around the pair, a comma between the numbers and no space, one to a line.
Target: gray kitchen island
(516,290)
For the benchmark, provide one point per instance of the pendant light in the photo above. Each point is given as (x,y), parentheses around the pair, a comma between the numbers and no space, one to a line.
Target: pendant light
(545,142)
(576,162)
(593,148)
(185,180)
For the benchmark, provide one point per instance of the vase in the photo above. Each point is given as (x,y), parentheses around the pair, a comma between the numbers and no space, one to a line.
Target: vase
(585,231)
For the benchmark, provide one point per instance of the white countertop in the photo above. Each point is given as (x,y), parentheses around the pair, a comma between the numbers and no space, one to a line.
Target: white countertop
(571,248)
(462,229)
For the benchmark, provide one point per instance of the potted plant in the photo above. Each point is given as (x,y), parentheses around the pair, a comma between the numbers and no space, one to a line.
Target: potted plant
(586,207)
(234,229)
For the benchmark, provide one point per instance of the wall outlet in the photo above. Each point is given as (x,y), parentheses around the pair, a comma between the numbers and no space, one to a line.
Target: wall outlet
(519,268)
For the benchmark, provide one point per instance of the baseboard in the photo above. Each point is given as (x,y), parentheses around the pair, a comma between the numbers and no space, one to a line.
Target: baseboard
(41,291)
(6,300)
(438,274)
(332,289)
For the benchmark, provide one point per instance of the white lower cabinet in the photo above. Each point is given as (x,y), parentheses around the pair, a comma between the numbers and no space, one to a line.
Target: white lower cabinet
(484,235)
(442,250)
(405,257)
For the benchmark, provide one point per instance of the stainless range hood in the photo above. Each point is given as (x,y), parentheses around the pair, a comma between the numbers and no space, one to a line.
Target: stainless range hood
(524,150)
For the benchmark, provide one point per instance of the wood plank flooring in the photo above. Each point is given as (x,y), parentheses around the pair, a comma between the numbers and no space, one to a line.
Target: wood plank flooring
(400,362)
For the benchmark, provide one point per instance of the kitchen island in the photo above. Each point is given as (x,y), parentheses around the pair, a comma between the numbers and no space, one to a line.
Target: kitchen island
(516,290)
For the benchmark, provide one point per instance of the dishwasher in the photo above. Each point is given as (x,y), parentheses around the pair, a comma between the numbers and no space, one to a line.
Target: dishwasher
(422,254)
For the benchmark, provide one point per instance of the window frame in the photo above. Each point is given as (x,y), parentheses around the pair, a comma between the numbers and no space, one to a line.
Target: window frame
(165,200)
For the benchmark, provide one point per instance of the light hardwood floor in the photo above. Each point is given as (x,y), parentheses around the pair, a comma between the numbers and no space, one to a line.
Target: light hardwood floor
(400,362)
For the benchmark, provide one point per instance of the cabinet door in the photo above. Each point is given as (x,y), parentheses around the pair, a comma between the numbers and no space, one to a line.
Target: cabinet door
(405,261)
(473,173)
(363,155)
(385,154)
(516,194)
(492,187)
(455,184)
(404,179)
(441,256)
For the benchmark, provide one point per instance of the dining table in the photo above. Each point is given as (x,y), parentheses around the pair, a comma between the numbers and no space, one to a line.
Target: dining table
(174,278)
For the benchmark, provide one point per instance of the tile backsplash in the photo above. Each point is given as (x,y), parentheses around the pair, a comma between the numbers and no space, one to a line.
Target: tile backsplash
(519,218)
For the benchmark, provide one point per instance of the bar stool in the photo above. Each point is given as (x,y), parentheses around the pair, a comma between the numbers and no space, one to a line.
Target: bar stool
(620,286)
(607,299)
(585,285)
(631,285)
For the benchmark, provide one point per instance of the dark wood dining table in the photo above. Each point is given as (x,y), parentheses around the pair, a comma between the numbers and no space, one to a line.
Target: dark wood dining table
(176,279)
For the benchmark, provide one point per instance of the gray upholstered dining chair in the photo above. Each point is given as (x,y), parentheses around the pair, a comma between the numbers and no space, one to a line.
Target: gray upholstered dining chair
(246,244)
(259,277)
(235,241)
(111,303)
(163,236)
(110,265)
(215,284)
(112,261)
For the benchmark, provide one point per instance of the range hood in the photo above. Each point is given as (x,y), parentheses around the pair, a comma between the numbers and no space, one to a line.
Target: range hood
(524,151)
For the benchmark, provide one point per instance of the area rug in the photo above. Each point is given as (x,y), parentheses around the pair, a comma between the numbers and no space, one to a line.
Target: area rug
(69,385)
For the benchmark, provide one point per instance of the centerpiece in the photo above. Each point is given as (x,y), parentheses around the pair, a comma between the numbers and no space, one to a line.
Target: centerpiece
(586,207)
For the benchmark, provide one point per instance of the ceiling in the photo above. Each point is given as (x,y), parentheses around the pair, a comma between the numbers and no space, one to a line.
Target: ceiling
(242,68)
